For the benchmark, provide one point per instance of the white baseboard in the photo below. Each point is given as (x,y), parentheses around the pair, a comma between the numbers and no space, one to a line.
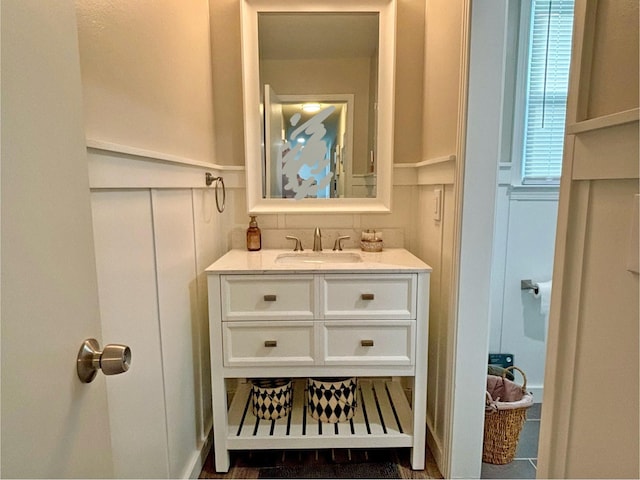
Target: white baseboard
(199,458)
(537,392)
(435,446)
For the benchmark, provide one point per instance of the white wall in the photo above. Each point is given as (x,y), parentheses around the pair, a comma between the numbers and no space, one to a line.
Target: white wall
(524,237)
(125,258)
(524,232)
(152,246)
(435,241)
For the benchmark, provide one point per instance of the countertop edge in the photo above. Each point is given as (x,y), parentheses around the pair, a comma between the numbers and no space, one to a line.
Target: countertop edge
(242,262)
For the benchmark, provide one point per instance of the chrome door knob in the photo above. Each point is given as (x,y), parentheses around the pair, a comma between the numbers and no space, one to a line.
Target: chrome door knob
(113,359)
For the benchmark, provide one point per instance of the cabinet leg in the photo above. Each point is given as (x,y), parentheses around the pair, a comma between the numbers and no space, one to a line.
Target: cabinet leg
(417,458)
(219,407)
(223,463)
(418,451)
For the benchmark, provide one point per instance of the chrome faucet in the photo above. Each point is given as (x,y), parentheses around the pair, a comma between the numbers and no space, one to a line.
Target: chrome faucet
(317,240)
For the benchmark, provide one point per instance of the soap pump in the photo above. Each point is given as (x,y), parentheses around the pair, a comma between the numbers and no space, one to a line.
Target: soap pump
(254,236)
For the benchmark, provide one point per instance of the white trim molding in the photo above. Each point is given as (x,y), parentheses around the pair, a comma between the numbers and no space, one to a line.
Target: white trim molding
(605,121)
(121,166)
(150,154)
(434,171)
(528,192)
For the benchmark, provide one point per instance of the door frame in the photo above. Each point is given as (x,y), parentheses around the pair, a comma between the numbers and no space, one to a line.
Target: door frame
(478,152)
(473,222)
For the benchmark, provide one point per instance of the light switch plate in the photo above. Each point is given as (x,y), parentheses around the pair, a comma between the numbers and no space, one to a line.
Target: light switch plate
(633,255)
(437,204)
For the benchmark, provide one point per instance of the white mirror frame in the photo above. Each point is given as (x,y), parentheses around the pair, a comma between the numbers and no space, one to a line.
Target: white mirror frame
(386,10)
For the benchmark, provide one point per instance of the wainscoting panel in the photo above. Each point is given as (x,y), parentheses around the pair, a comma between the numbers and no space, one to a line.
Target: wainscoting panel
(177,301)
(152,247)
(125,259)
(435,239)
(212,239)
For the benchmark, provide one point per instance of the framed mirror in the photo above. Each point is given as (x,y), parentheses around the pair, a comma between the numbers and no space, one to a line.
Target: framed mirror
(318,90)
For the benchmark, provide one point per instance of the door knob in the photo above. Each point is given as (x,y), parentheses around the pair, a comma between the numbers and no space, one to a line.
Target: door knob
(113,359)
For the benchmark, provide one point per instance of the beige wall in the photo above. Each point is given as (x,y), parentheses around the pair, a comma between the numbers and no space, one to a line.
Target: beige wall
(441,77)
(614,72)
(146,75)
(410,59)
(226,71)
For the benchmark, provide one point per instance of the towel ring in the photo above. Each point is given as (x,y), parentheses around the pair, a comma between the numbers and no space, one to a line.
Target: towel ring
(209,178)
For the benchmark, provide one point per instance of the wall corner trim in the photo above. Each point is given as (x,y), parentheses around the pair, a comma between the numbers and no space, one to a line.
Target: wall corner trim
(433,161)
(433,171)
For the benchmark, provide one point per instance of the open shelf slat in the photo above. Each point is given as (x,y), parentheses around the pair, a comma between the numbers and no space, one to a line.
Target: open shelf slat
(383,418)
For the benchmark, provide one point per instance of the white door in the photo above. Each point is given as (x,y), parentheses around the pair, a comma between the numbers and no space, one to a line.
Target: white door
(273,128)
(590,416)
(53,426)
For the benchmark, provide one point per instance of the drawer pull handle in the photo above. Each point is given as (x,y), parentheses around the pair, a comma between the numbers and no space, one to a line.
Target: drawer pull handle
(269,298)
(270,343)
(366,343)
(367,296)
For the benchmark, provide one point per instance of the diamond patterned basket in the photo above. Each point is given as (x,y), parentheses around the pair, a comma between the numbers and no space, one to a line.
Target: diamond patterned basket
(332,400)
(271,397)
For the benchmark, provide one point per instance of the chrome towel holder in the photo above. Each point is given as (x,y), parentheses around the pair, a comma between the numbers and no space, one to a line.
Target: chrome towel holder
(209,179)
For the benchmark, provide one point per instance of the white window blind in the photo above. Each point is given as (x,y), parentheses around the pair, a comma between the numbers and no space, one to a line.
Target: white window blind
(547,84)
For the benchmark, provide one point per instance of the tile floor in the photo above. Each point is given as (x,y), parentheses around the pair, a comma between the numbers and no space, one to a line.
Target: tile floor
(525,463)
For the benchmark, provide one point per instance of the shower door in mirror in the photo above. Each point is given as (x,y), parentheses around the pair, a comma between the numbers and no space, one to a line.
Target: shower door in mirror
(308,145)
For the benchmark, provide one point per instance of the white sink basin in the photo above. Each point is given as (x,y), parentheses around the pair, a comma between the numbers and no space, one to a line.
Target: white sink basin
(318,257)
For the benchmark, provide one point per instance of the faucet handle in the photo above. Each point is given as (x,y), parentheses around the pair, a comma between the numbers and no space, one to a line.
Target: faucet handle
(298,246)
(338,244)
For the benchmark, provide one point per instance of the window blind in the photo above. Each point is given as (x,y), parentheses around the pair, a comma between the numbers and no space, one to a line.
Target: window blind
(547,85)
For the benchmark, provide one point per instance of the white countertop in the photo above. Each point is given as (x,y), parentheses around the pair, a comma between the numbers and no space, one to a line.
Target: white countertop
(390,260)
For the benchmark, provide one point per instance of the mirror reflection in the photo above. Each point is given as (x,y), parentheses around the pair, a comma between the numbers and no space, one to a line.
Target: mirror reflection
(318,76)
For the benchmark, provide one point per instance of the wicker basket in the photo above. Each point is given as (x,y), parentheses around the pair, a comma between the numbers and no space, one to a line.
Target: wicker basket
(505,414)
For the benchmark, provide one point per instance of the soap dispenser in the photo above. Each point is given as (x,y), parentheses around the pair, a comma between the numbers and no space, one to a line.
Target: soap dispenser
(254,236)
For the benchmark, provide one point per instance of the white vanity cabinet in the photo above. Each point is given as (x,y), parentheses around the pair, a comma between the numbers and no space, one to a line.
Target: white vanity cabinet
(367,319)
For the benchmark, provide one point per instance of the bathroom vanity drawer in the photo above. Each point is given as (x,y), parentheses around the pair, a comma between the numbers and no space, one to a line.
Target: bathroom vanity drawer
(368,343)
(279,297)
(275,343)
(390,296)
